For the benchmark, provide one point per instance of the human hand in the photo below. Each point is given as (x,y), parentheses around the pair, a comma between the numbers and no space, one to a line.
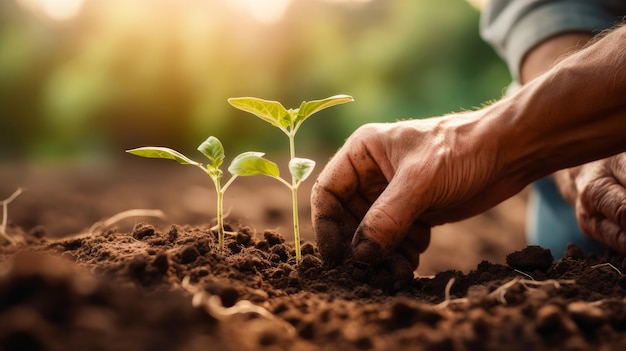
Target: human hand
(390,183)
(597,190)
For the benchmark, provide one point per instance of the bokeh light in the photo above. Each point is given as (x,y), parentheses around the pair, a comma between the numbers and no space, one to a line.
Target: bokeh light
(267,11)
(60,10)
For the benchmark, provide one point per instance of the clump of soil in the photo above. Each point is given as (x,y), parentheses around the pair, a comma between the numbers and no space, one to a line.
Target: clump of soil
(170,288)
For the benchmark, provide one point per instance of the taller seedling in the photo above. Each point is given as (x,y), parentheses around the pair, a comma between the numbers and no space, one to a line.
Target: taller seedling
(289,121)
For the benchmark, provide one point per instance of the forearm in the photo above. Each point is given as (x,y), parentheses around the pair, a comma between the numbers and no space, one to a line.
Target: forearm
(573,114)
(546,54)
(537,61)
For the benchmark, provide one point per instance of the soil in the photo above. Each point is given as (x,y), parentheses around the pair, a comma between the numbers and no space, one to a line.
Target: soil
(162,284)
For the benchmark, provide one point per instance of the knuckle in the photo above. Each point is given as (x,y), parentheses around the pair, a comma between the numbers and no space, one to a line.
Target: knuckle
(617,163)
(366,134)
(596,196)
(384,220)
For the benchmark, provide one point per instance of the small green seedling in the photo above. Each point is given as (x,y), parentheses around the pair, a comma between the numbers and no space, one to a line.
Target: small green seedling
(289,121)
(245,164)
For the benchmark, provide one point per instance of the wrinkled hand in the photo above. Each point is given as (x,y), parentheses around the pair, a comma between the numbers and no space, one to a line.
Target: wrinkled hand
(597,190)
(390,183)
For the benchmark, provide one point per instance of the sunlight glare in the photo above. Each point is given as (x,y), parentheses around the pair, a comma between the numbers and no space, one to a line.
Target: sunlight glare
(479,4)
(59,10)
(265,11)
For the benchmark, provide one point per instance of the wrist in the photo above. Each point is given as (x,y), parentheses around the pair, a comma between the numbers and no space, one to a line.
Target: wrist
(504,134)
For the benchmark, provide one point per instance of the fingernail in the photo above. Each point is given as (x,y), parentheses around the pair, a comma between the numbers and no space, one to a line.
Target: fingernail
(364,249)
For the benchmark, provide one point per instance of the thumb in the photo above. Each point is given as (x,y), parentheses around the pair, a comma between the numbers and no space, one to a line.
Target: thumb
(386,223)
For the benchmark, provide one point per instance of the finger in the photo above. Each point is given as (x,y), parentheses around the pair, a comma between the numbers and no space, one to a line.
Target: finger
(333,227)
(335,182)
(336,207)
(388,221)
(415,243)
(401,270)
(606,198)
(344,191)
(597,226)
(617,165)
(605,231)
(410,253)
(612,235)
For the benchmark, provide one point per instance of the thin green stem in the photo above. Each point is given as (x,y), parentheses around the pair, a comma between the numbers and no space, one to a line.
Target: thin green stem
(294,198)
(295,128)
(284,182)
(292,145)
(296,227)
(220,215)
(220,210)
(228,183)
(220,203)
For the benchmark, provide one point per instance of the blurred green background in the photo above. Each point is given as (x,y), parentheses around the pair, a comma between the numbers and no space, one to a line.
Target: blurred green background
(90,78)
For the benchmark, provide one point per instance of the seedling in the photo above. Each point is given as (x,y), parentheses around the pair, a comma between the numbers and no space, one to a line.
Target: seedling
(245,164)
(289,121)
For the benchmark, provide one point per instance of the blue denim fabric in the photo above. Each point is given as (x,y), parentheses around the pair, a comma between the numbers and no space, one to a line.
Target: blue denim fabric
(552,223)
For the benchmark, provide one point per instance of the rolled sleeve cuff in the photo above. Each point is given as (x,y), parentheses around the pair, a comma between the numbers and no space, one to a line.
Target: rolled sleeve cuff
(541,20)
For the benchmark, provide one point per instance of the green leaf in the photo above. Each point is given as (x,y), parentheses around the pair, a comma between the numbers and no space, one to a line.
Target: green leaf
(252,163)
(162,152)
(308,108)
(289,119)
(272,112)
(213,149)
(301,168)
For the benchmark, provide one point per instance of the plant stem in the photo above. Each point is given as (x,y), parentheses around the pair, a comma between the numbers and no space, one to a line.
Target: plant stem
(296,227)
(220,216)
(292,145)
(294,198)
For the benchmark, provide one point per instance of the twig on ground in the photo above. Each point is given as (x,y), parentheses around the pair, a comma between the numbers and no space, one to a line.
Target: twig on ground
(608,265)
(502,289)
(447,300)
(500,292)
(213,305)
(5,204)
(524,274)
(99,226)
(446,292)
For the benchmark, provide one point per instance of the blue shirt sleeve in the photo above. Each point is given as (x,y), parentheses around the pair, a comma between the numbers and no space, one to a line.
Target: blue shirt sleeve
(513,27)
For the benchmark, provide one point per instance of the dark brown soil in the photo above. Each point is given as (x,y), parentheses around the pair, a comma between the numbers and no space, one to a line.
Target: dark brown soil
(165,286)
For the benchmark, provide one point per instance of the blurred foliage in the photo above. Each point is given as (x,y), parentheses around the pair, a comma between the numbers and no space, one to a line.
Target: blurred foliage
(124,74)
